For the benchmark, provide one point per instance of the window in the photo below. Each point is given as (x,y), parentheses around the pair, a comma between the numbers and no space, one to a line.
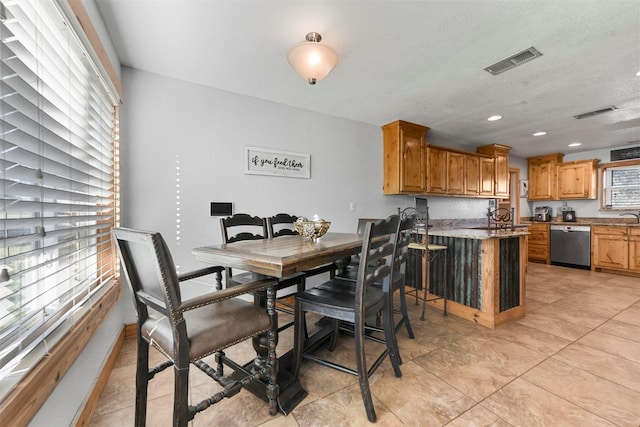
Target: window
(621,185)
(58,182)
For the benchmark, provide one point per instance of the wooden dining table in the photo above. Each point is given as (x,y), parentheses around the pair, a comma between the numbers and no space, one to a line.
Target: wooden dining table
(279,258)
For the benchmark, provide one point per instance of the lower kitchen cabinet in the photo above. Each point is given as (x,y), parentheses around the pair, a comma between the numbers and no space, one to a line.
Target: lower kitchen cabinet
(617,248)
(538,245)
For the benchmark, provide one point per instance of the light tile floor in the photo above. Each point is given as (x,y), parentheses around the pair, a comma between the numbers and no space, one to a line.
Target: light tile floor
(574,360)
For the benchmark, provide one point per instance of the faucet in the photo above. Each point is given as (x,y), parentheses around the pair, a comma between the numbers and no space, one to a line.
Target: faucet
(637,215)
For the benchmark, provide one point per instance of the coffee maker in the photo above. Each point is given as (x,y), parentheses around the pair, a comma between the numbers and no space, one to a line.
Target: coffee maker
(543,213)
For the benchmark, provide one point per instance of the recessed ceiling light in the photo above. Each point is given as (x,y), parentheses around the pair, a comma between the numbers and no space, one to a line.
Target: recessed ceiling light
(638,74)
(539,133)
(575,144)
(494,118)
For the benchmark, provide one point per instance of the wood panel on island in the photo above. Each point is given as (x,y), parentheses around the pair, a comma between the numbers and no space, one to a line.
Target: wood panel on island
(413,166)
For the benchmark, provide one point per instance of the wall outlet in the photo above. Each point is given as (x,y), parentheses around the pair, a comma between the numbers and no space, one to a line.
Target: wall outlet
(352,206)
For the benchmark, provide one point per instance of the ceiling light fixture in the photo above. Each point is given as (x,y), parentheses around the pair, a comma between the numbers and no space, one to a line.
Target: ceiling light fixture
(494,118)
(539,133)
(575,144)
(312,60)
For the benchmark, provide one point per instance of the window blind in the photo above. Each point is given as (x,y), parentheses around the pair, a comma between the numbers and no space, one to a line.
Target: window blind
(58,183)
(622,187)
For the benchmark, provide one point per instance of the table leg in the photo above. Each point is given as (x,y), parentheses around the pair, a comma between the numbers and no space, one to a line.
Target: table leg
(291,392)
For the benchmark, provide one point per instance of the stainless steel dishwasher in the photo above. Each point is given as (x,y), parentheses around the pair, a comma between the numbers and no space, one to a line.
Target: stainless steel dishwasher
(570,245)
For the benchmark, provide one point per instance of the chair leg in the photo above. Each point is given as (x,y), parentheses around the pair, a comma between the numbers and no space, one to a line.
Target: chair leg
(334,334)
(390,339)
(273,390)
(405,313)
(142,382)
(363,377)
(181,396)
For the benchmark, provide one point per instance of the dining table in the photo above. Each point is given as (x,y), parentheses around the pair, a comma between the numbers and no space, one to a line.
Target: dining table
(279,258)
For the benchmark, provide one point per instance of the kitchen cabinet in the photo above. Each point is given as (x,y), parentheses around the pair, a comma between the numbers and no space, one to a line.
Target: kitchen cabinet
(471,175)
(578,180)
(538,245)
(445,171)
(486,176)
(500,153)
(616,247)
(412,166)
(543,176)
(478,175)
(404,158)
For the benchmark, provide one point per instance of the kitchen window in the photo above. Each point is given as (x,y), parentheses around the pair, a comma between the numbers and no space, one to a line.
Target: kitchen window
(621,185)
(58,182)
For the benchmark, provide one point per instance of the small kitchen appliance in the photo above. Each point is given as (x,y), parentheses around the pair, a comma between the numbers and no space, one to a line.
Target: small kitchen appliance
(568,216)
(543,213)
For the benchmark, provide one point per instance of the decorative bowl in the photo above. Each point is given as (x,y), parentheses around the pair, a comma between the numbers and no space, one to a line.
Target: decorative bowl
(311,229)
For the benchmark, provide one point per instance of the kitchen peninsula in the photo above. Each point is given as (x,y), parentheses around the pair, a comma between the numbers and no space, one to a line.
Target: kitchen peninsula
(484,274)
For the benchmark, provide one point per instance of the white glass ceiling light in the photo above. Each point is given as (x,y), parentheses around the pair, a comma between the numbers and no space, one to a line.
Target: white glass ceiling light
(312,60)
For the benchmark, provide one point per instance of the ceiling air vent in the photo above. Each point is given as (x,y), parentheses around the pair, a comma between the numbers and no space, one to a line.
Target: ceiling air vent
(595,113)
(513,61)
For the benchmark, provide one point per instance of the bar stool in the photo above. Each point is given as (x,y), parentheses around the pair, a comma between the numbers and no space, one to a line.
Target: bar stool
(430,252)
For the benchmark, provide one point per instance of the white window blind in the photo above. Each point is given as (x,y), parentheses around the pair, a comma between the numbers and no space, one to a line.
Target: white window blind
(58,182)
(622,187)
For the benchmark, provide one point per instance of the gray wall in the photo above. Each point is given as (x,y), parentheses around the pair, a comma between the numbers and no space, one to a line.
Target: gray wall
(165,121)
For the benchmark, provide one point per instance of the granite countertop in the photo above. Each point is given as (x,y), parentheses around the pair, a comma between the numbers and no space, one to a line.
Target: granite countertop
(629,222)
(479,234)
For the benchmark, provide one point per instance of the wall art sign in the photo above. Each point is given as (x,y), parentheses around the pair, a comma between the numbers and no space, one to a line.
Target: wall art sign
(262,161)
(625,154)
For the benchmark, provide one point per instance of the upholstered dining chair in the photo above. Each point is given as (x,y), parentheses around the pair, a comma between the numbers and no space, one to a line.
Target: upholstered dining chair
(340,300)
(187,331)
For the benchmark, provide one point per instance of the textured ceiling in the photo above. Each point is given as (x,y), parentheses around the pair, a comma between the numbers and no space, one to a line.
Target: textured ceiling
(420,61)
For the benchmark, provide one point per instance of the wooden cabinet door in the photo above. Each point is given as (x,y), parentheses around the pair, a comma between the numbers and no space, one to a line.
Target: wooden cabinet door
(455,173)
(610,247)
(471,175)
(577,180)
(502,176)
(541,181)
(634,249)
(436,170)
(486,176)
(411,162)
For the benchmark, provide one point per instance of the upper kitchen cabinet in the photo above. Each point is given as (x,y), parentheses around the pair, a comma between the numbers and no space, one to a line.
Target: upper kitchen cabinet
(413,166)
(500,167)
(551,179)
(445,171)
(543,176)
(404,157)
(578,180)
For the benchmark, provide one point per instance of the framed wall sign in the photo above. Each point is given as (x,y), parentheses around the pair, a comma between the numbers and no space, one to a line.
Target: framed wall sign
(262,161)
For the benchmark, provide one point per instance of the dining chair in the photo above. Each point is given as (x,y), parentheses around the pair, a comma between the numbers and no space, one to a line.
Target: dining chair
(407,224)
(281,225)
(239,227)
(340,300)
(186,331)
